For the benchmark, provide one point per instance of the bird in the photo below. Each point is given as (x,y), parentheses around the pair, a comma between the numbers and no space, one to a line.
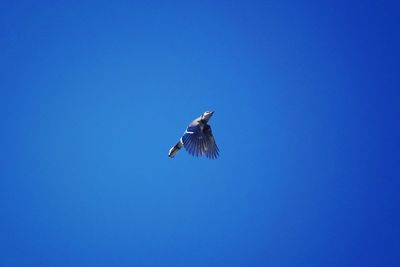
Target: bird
(198,139)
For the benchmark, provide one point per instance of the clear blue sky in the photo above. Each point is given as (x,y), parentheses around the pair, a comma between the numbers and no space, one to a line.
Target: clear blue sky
(93,94)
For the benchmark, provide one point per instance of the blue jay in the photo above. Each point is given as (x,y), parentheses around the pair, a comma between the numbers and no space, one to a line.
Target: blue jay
(198,139)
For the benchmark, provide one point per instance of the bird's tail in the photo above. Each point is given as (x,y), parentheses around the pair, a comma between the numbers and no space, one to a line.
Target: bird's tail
(172,152)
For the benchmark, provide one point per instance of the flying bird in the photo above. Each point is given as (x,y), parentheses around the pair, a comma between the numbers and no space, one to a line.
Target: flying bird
(198,139)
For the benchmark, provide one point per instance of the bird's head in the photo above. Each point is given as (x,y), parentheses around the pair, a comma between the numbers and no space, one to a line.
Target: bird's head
(206,116)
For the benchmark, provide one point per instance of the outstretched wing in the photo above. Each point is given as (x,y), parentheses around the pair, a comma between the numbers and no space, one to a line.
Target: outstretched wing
(199,141)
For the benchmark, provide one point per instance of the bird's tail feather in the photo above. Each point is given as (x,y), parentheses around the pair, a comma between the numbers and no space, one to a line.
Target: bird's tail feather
(172,152)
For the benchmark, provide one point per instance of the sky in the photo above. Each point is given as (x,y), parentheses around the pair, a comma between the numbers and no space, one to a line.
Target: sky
(94,93)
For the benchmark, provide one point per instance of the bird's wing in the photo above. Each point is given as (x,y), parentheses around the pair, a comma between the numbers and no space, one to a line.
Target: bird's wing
(211,148)
(199,141)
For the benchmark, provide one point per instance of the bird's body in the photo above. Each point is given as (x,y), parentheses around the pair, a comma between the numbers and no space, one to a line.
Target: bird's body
(198,139)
